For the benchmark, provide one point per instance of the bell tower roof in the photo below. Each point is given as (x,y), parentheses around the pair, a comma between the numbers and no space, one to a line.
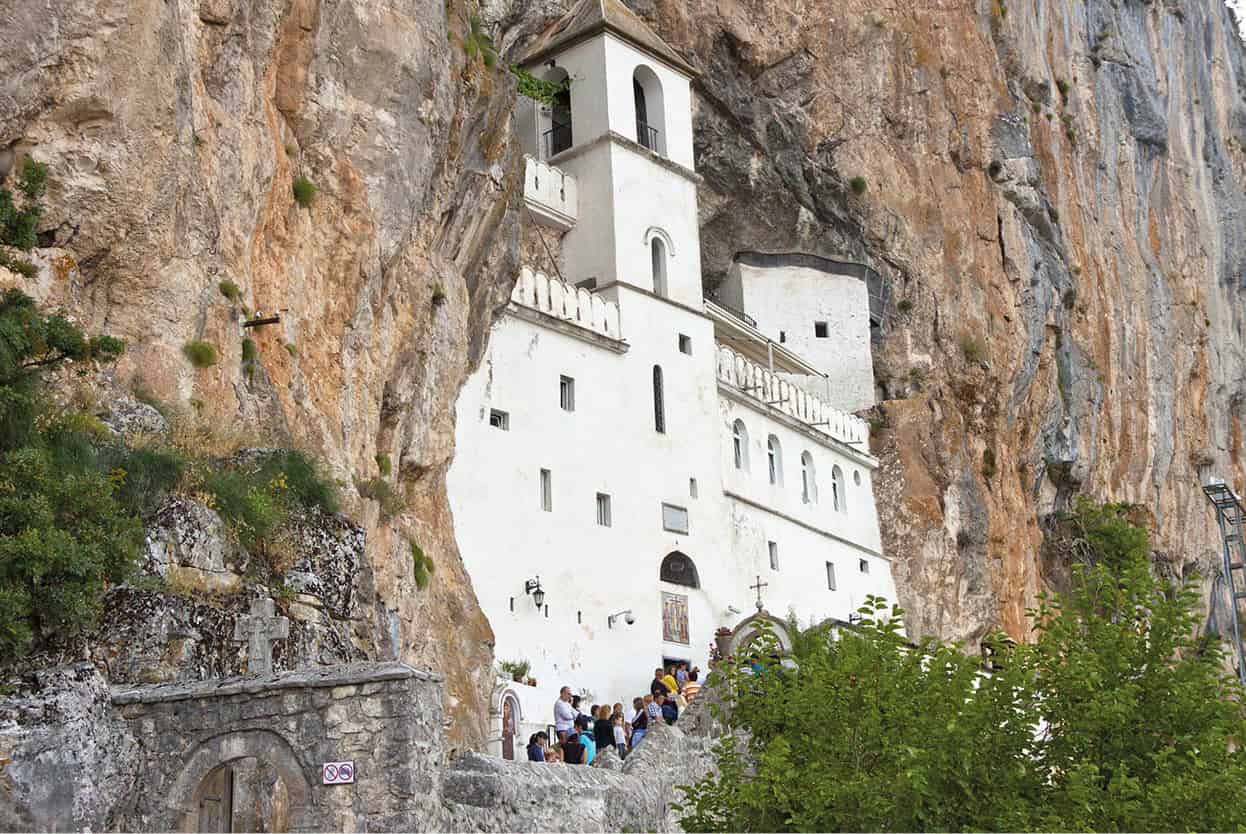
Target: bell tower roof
(591,17)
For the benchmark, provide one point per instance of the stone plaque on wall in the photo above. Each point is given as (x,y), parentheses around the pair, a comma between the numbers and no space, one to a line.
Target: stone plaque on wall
(675,618)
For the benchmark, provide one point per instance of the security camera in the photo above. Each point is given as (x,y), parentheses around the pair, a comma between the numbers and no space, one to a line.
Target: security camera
(629,618)
(626,614)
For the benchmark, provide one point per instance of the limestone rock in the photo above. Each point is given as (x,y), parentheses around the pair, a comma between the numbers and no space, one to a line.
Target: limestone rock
(127,416)
(188,544)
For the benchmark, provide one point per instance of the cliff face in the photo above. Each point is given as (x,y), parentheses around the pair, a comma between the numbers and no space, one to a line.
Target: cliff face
(173,132)
(1054,193)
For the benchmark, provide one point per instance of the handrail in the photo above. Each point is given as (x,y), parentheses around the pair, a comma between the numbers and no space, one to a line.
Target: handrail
(647,135)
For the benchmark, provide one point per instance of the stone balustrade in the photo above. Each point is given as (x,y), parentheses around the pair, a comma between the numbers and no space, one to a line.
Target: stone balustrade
(557,298)
(771,388)
(551,194)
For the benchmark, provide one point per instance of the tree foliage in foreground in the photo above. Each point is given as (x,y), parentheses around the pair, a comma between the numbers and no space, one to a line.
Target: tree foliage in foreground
(1117,718)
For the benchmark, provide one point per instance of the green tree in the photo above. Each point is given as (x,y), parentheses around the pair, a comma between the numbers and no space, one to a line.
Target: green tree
(1116,717)
(19,224)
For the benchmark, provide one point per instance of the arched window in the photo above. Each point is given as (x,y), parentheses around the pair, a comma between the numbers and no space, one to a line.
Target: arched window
(657,256)
(678,569)
(659,406)
(650,116)
(739,445)
(557,138)
(838,496)
(774,457)
(808,479)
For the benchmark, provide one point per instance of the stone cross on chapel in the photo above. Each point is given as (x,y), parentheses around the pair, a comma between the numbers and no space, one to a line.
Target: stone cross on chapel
(259,630)
(757,587)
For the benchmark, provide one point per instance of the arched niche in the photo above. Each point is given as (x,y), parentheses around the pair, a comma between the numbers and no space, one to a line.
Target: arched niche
(678,569)
(650,109)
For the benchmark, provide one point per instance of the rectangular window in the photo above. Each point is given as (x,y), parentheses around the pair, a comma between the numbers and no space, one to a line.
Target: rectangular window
(863,565)
(547,491)
(685,344)
(566,393)
(500,420)
(674,519)
(782,336)
(819,329)
(603,509)
(830,576)
(692,487)
(773,547)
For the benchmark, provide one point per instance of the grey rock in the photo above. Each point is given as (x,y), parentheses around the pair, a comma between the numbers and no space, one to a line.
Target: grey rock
(127,416)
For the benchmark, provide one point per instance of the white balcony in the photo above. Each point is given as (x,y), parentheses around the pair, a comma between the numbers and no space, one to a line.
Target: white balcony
(573,305)
(550,194)
(773,391)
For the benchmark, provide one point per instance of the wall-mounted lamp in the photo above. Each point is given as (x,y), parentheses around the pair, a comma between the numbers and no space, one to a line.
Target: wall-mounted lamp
(731,609)
(626,614)
(533,586)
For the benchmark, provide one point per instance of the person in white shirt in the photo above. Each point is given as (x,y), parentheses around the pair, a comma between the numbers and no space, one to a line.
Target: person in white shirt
(564,714)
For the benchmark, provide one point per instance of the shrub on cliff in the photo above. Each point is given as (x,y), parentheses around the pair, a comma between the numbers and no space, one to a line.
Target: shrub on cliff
(67,529)
(1116,718)
(19,223)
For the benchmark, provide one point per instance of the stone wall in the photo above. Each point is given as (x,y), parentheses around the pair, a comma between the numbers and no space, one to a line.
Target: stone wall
(387,718)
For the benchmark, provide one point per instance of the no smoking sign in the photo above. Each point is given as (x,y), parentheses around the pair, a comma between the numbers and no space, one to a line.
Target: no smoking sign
(337,773)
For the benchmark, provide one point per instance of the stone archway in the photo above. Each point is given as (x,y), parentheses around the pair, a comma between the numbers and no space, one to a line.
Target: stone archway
(203,770)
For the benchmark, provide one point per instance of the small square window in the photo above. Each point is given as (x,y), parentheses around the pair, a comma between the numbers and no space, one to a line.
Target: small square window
(566,393)
(773,547)
(692,487)
(830,576)
(820,329)
(603,509)
(675,519)
(685,344)
(782,336)
(547,491)
(863,566)
(500,420)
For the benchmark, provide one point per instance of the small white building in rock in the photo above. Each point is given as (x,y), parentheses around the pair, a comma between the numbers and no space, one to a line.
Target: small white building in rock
(633,459)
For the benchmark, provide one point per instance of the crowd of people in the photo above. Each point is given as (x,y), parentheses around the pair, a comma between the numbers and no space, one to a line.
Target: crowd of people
(580,736)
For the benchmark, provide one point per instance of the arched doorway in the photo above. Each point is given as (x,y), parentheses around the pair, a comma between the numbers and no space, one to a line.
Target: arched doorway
(558,137)
(245,795)
(250,780)
(510,725)
(650,109)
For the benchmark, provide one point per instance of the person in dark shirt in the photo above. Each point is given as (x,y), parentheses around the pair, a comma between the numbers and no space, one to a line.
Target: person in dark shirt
(572,750)
(670,710)
(603,728)
(640,721)
(658,686)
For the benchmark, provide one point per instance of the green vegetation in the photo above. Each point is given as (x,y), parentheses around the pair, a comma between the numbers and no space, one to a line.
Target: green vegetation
(1116,718)
(384,466)
(249,350)
(304,191)
(230,290)
(291,349)
(516,670)
(200,353)
(21,266)
(1063,87)
(538,89)
(904,305)
(19,220)
(478,44)
(382,492)
(972,349)
(422,565)
(858,185)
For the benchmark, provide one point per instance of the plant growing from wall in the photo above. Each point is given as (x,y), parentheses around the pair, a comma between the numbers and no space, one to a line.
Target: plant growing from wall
(539,89)
(384,465)
(19,220)
(478,44)
(421,565)
(230,290)
(516,670)
(972,350)
(858,185)
(200,353)
(304,191)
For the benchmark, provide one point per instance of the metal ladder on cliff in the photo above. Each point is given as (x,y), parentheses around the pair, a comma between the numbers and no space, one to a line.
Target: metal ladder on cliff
(1231,516)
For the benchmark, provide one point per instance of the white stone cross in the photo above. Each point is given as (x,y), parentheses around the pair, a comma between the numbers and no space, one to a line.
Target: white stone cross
(258,630)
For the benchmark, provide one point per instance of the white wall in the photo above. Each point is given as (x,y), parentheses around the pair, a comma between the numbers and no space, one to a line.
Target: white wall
(789,299)
(621,61)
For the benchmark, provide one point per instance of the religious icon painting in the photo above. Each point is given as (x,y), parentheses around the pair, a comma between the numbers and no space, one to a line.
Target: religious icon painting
(675,618)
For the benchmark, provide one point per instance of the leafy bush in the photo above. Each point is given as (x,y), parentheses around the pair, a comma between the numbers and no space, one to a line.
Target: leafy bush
(858,185)
(200,353)
(230,290)
(384,466)
(904,305)
(538,89)
(1118,718)
(143,476)
(421,564)
(292,349)
(478,44)
(21,266)
(19,225)
(304,192)
(380,490)
(249,351)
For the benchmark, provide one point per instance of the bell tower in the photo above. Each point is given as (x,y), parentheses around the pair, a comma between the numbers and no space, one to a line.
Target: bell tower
(625,132)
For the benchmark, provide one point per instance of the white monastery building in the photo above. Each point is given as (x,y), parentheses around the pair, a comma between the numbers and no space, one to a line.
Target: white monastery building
(634,459)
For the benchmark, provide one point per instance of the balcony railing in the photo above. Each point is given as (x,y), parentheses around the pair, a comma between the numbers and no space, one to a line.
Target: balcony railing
(647,135)
(556,140)
(773,391)
(574,305)
(550,194)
